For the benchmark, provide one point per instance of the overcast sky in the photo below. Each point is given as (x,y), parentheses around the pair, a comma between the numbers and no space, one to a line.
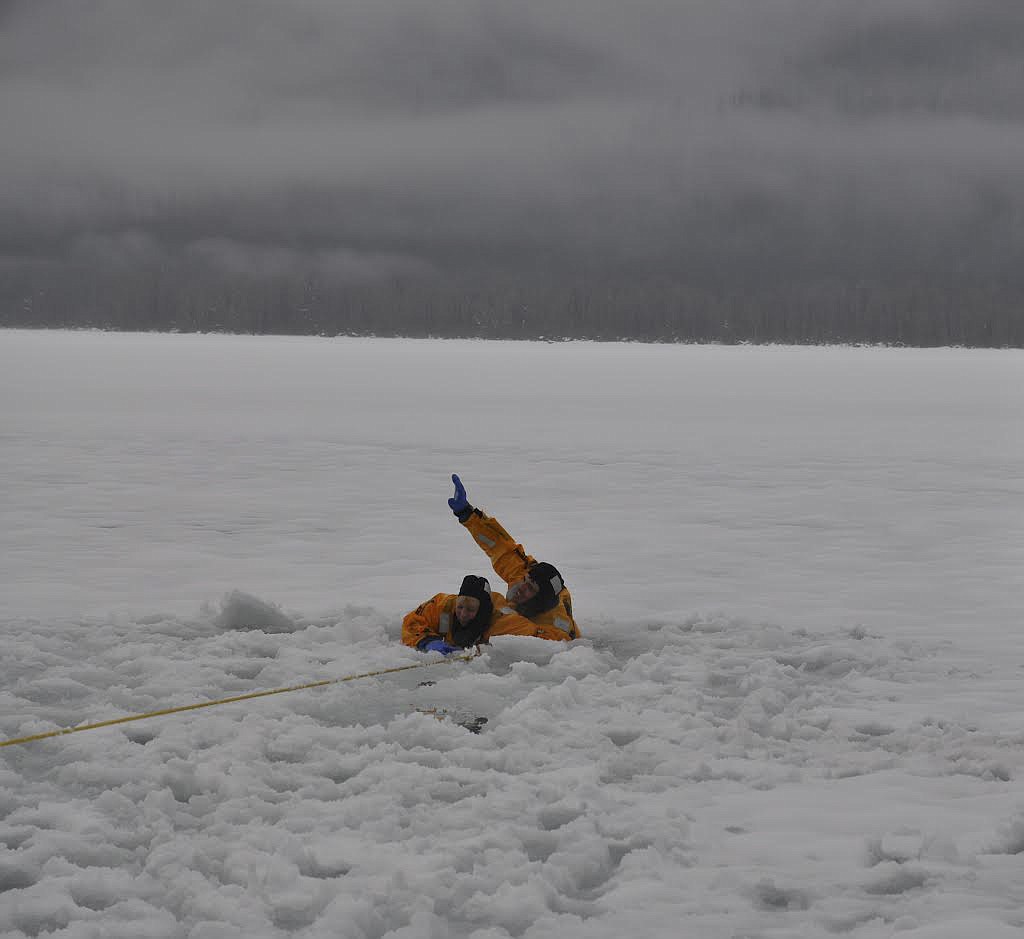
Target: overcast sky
(364,138)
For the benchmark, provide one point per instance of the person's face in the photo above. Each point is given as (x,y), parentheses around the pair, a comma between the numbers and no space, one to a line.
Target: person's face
(466,608)
(521,591)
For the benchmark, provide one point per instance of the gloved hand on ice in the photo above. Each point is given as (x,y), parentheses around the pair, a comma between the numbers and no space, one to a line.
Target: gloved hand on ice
(438,645)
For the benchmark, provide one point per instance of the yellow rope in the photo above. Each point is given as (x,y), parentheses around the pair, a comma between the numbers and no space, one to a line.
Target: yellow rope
(240,697)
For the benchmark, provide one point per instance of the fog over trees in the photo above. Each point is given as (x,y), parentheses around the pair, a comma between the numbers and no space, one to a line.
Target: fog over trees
(793,171)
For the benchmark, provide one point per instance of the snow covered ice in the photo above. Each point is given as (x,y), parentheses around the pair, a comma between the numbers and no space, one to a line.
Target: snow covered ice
(798,708)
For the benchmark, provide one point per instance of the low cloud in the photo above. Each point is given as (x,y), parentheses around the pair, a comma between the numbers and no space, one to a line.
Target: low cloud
(369,139)
(251,261)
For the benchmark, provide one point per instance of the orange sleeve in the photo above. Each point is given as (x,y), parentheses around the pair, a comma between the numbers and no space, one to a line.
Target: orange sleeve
(512,624)
(507,622)
(509,559)
(424,621)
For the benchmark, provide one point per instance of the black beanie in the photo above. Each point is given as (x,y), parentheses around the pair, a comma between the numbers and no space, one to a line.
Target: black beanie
(475,587)
(548,581)
(480,589)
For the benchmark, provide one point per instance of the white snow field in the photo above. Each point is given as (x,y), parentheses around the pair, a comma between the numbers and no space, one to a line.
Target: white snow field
(797,710)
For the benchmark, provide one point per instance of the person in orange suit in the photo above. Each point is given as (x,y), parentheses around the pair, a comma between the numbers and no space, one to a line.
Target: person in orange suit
(537,601)
(449,622)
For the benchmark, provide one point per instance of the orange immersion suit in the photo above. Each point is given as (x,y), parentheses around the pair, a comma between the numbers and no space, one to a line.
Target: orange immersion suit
(435,619)
(511,562)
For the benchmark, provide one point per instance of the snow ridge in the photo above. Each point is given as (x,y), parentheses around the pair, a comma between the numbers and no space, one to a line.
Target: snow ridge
(739,778)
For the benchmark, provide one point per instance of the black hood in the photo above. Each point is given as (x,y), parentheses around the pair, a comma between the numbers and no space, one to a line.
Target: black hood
(471,633)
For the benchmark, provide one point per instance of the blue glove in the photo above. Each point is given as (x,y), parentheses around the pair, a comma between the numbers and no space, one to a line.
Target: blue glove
(458,504)
(438,645)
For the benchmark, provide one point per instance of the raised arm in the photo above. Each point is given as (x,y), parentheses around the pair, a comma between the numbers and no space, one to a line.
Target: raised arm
(508,558)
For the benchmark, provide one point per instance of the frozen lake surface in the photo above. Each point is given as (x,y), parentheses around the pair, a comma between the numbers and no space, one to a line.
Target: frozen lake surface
(797,710)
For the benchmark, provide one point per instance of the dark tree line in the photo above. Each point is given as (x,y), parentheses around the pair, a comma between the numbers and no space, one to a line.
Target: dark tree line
(855,182)
(938,311)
